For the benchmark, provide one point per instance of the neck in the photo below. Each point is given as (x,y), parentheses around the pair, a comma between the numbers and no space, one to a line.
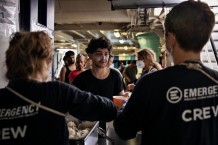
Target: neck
(181,56)
(100,73)
(36,77)
(72,67)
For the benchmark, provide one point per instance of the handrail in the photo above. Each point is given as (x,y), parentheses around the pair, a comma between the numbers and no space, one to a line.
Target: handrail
(208,56)
(214,49)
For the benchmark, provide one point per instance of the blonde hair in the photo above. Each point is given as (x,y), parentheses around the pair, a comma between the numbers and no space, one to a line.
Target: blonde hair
(147,53)
(149,56)
(78,60)
(26,52)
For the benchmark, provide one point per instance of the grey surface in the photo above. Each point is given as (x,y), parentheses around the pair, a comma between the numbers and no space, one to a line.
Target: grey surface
(117,141)
(4,45)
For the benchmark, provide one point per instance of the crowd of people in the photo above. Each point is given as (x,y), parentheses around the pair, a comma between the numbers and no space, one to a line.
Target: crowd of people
(146,60)
(176,105)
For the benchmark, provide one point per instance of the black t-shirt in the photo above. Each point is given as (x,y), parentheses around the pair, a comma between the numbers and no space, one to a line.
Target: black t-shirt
(25,124)
(67,74)
(173,106)
(108,87)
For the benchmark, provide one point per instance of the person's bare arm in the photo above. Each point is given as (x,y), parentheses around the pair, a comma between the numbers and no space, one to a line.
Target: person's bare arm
(123,93)
(157,65)
(130,87)
(71,80)
(62,74)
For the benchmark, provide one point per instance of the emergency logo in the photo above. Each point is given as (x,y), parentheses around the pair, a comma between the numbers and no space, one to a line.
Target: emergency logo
(174,95)
(18,112)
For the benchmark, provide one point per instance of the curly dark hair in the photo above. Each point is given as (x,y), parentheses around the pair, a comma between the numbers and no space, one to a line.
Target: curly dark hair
(96,43)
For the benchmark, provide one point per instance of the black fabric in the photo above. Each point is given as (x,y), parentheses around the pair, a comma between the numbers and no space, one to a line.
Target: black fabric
(108,87)
(144,72)
(173,106)
(67,74)
(25,124)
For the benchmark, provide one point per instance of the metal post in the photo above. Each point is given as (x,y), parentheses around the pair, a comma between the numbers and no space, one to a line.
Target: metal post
(214,49)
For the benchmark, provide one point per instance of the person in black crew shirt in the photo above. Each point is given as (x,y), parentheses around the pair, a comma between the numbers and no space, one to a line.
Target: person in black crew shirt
(28,61)
(100,79)
(177,105)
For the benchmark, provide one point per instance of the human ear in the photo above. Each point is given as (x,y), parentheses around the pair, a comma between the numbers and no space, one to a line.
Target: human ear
(170,40)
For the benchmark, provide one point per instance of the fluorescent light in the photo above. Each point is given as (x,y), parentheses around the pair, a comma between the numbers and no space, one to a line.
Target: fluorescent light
(157,11)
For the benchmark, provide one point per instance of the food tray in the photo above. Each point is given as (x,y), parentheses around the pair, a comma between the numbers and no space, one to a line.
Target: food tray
(91,138)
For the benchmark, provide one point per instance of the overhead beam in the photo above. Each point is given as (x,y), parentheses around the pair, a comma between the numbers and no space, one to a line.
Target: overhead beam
(90,26)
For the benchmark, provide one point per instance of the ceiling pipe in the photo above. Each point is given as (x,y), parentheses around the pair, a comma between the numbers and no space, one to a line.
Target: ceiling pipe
(159,18)
(135,4)
(92,34)
(79,34)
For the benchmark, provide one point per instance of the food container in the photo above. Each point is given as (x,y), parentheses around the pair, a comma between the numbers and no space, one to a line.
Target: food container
(91,138)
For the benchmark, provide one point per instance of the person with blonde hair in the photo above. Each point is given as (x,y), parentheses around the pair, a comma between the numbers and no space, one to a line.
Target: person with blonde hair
(146,61)
(80,67)
(32,109)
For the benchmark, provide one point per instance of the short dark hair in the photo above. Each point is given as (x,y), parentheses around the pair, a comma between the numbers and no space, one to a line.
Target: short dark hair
(64,58)
(192,23)
(69,53)
(96,43)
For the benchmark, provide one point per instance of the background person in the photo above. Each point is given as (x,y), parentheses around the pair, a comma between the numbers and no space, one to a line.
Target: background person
(162,104)
(148,57)
(80,67)
(146,61)
(69,66)
(121,67)
(88,64)
(28,60)
(130,73)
